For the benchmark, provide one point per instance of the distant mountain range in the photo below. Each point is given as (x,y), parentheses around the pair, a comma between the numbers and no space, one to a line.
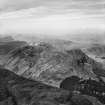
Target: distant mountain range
(6,39)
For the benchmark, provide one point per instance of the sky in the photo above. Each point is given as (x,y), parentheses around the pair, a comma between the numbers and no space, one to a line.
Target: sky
(58,18)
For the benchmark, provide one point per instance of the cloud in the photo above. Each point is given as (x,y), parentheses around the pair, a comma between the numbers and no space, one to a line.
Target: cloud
(57,25)
(52,17)
(91,5)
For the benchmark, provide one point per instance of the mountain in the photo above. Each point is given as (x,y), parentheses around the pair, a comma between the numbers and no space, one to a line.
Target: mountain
(8,43)
(96,52)
(45,63)
(58,43)
(6,47)
(97,49)
(6,39)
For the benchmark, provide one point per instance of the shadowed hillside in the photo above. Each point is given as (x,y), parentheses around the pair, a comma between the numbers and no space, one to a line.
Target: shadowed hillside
(16,90)
(88,87)
(6,47)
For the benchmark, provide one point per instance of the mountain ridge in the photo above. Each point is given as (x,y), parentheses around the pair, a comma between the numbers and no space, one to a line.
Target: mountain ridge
(42,62)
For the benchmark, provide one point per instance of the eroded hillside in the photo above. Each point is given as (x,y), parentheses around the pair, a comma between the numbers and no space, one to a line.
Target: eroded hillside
(45,63)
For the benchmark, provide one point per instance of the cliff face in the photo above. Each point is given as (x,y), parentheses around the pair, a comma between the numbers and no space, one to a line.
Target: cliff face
(45,63)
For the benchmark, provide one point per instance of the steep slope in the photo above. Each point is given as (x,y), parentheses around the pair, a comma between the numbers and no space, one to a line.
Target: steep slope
(7,47)
(45,63)
(96,52)
(16,90)
(7,44)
